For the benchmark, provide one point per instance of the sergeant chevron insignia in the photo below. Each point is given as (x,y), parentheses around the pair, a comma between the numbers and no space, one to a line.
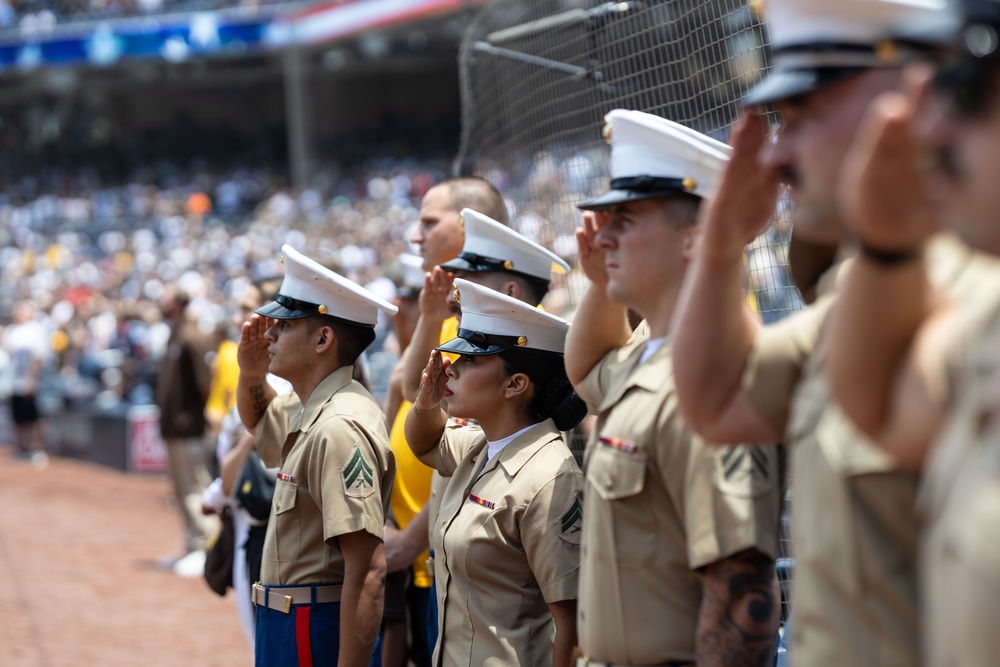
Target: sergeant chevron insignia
(743,471)
(358,475)
(571,522)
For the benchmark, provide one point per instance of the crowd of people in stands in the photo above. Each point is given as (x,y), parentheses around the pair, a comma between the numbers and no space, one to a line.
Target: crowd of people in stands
(95,259)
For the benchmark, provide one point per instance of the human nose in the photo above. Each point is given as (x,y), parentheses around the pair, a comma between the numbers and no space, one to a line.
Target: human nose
(418,235)
(606,237)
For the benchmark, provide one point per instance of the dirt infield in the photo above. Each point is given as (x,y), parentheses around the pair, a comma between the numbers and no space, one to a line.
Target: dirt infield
(79,584)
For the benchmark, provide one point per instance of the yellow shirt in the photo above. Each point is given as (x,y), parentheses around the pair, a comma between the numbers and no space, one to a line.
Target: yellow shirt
(225,375)
(412,489)
(449,330)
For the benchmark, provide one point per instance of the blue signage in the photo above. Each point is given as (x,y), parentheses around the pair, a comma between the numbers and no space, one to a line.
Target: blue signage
(174,39)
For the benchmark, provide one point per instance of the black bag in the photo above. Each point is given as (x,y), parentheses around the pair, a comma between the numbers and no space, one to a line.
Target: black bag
(219,555)
(255,488)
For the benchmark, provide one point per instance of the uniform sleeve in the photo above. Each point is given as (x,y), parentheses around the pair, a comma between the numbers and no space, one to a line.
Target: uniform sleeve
(345,478)
(272,429)
(733,501)
(608,371)
(775,362)
(728,497)
(550,534)
(455,443)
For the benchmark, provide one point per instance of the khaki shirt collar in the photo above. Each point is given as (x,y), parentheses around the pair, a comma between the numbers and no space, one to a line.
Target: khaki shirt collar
(648,376)
(829,279)
(520,450)
(324,391)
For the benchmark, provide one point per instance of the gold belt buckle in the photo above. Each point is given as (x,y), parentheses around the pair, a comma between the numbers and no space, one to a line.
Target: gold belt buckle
(288,603)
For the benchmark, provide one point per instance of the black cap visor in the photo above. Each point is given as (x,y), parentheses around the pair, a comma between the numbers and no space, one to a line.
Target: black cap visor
(636,188)
(462,346)
(477,344)
(462,264)
(615,197)
(286,308)
(786,84)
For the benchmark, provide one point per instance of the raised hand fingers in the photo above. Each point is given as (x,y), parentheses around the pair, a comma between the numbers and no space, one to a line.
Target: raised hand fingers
(253,330)
(440,280)
(432,381)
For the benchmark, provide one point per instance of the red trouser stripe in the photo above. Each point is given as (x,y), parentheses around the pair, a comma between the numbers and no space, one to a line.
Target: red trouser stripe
(302,636)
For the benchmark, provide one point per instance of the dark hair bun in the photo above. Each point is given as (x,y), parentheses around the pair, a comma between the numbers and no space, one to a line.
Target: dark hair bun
(569,412)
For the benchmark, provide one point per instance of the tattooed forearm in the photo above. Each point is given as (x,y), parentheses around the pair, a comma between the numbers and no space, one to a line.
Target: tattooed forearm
(259,400)
(738,623)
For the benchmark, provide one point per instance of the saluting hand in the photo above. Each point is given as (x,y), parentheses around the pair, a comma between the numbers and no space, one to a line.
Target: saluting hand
(434,297)
(591,252)
(432,382)
(251,353)
(746,197)
(880,188)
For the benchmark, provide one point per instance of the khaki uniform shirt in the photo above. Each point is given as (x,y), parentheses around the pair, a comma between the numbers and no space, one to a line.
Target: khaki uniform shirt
(335,478)
(507,543)
(960,505)
(661,503)
(854,530)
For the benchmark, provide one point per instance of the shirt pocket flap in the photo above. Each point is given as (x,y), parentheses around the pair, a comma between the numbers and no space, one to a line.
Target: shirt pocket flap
(284,496)
(615,473)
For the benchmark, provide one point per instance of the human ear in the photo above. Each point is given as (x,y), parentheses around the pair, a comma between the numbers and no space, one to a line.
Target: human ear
(690,242)
(324,338)
(517,384)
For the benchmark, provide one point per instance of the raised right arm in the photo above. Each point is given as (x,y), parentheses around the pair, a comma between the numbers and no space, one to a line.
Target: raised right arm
(599,325)
(253,393)
(426,421)
(714,328)
(434,310)
(885,362)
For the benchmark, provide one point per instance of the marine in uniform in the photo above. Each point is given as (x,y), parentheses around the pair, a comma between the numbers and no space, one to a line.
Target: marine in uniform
(507,536)
(494,255)
(679,536)
(853,533)
(323,564)
(926,359)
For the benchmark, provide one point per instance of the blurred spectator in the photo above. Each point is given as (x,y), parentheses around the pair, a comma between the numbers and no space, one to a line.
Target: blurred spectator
(182,388)
(27,347)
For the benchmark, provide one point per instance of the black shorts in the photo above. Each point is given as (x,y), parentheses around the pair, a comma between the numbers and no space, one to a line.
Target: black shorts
(23,409)
(395,595)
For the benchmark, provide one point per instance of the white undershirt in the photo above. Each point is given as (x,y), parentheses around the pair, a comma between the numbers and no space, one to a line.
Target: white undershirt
(653,345)
(493,448)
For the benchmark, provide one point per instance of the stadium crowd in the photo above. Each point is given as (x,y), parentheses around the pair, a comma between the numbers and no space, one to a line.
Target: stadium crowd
(94,257)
